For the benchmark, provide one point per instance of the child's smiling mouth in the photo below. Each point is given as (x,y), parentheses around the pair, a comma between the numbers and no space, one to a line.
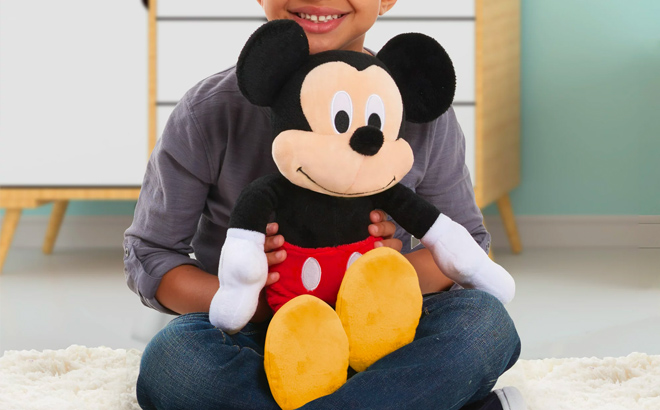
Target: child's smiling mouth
(318,20)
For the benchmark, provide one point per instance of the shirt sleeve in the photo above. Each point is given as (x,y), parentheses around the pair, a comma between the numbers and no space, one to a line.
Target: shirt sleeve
(447,184)
(171,201)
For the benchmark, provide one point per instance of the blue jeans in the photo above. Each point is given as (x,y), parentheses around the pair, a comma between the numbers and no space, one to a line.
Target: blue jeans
(465,340)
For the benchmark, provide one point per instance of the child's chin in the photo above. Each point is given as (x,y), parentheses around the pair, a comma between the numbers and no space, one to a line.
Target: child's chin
(323,42)
(321,46)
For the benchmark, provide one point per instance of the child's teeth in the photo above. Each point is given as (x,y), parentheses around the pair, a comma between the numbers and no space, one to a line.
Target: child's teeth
(317,19)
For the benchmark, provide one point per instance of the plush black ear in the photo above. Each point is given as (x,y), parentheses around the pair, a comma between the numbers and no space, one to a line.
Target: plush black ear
(269,58)
(424,74)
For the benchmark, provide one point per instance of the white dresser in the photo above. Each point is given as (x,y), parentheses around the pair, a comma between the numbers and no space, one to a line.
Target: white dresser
(73,106)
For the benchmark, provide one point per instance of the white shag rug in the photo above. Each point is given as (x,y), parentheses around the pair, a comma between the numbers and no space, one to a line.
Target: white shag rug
(101,378)
(74,378)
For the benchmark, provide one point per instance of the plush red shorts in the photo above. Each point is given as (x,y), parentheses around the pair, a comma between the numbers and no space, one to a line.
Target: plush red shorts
(314,271)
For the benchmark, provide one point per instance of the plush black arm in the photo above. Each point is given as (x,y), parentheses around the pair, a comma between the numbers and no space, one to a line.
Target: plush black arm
(454,250)
(412,212)
(256,204)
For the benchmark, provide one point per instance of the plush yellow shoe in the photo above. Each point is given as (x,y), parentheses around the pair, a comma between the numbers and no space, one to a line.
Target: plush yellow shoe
(379,304)
(306,352)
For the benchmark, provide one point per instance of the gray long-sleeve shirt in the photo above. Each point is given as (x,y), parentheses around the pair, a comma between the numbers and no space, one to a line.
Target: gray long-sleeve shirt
(215,143)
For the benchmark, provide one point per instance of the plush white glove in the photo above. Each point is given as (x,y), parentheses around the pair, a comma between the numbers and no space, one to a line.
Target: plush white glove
(242,273)
(462,260)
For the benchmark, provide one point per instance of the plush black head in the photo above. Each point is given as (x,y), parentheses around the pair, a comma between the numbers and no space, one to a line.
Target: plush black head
(338,115)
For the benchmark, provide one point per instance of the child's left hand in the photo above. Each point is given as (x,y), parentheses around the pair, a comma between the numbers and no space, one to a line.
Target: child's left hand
(380,226)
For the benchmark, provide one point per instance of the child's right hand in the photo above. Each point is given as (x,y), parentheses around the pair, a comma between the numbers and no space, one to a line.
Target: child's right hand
(273,242)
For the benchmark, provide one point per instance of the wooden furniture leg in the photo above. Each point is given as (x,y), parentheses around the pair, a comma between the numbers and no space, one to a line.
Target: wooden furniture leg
(12,215)
(509,220)
(56,218)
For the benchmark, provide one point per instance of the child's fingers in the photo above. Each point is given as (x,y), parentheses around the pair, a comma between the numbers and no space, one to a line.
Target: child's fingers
(273,242)
(393,243)
(377,216)
(385,229)
(272,278)
(275,257)
(271,229)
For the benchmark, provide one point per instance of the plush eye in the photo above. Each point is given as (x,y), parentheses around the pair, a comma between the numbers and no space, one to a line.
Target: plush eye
(375,112)
(341,112)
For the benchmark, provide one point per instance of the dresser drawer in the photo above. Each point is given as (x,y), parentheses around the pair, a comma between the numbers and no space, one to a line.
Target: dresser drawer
(210,8)
(457,37)
(432,8)
(190,51)
(73,93)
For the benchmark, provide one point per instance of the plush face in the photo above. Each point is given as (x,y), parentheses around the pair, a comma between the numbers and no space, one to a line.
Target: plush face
(353,147)
(344,30)
(338,115)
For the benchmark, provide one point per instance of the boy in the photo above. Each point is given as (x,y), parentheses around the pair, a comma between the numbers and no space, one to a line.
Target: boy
(214,144)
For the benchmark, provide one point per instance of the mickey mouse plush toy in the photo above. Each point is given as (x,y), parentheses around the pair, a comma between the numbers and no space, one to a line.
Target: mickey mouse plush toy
(339,144)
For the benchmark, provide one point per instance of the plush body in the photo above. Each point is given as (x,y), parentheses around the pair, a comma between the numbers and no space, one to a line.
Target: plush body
(304,218)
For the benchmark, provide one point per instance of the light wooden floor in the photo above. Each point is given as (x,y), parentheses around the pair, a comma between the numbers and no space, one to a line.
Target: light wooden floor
(569,303)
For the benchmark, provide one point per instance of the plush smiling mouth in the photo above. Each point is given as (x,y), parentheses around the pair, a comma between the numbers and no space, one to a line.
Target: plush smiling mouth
(340,193)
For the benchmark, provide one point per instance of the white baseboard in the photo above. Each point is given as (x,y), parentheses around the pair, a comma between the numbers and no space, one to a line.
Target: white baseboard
(565,231)
(537,231)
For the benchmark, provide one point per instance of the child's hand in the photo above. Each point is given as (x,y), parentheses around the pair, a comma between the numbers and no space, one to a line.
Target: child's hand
(273,241)
(385,229)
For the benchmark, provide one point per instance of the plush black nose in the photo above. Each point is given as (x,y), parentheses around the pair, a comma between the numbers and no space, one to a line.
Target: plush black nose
(367,140)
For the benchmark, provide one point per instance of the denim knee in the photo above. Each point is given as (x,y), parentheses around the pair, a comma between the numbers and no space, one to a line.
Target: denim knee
(190,364)
(496,325)
(480,320)
(495,344)
(165,368)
